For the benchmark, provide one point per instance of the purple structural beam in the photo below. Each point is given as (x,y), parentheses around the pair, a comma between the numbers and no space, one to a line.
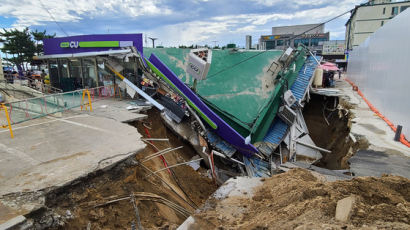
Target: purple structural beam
(223,129)
(53,45)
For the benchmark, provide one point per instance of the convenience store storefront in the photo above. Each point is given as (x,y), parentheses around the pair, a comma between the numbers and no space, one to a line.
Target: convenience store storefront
(78,62)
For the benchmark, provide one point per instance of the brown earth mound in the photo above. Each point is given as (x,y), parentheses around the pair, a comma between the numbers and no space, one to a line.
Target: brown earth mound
(299,200)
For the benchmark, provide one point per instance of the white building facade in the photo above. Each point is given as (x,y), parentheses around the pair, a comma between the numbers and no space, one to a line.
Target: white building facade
(369,17)
(248,44)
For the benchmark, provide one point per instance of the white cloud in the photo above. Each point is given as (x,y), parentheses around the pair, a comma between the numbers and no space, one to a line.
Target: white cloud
(32,12)
(204,31)
(197,31)
(298,3)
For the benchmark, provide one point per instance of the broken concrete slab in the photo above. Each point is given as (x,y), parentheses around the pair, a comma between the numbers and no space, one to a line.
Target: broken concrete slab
(56,150)
(366,123)
(345,208)
(116,109)
(12,222)
(51,152)
(383,155)
(375,163)
(326,174)
(234,187)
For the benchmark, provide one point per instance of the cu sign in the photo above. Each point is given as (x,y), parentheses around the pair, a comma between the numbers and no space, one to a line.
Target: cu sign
(74,44)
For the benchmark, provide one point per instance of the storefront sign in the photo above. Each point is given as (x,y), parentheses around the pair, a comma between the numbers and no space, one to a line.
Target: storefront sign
(333,48)
(95,44)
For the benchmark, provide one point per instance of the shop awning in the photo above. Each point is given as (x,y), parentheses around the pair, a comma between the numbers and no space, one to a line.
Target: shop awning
(84,54)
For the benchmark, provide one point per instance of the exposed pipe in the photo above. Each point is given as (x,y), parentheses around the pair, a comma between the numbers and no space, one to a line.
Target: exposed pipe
(139,91)
(175,165)
(314,147)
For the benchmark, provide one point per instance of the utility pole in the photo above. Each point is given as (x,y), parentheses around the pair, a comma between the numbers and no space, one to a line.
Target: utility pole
(214,43)
(153,41)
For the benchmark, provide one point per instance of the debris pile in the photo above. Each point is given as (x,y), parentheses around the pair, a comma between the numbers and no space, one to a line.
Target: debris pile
(300,199)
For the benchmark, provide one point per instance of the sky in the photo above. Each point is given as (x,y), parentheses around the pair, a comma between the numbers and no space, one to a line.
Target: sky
(174,22)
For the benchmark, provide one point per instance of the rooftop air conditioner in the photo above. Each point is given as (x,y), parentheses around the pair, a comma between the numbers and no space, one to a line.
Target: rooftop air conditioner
(287,114)
(289,98)
(285,56)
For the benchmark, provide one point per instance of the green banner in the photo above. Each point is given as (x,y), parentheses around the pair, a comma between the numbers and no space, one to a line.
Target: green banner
(90,44)
(100,44)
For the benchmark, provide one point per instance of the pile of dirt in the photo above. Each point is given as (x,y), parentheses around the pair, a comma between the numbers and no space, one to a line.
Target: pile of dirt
(300,200)
(74,207)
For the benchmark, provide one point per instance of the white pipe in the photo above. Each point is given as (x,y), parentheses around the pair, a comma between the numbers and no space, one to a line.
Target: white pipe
(175,165)
(83,54)
(314,147)
(144,95)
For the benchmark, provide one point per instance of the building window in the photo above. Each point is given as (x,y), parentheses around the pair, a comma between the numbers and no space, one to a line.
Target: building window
(270,45)
(53,73)
(403,8)
(317,41)
(304,41)
(75,73)
(89,72)
(394,10)
(279,42)
(382,23)
(384,10)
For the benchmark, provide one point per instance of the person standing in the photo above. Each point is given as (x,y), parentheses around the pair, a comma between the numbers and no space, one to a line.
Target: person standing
(43,76)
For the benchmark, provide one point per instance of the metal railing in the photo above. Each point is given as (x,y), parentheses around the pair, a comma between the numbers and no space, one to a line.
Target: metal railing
(11,89)
(31,108)
(35,84)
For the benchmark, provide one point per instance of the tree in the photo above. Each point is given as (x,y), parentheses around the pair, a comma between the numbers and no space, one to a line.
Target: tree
(39,36)
(19,45)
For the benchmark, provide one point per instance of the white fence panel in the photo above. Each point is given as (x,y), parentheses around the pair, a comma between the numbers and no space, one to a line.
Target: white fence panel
(380,67)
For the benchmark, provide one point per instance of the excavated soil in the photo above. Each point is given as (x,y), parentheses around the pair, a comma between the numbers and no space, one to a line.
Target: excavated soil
(77,203)
(299,200)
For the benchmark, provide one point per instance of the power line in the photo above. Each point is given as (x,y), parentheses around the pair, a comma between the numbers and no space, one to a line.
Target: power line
(338,16)
(52,17)
(247,59)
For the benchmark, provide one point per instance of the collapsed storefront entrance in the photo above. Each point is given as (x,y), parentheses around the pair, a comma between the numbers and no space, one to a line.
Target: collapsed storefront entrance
(78,62)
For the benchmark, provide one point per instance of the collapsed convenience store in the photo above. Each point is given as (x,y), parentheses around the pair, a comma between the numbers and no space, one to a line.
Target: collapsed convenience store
(244,107)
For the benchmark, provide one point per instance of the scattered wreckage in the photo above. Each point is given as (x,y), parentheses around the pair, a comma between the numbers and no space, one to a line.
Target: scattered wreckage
(242,109)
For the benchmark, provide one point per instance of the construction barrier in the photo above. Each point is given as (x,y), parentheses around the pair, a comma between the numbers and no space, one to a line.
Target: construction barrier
(3,107)
(377,112)
(86,105)
(31,108)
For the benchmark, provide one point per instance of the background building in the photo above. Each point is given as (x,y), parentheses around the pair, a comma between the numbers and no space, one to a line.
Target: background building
(334,51)
(369,17)
(298,29)
(248,43)
(284,36)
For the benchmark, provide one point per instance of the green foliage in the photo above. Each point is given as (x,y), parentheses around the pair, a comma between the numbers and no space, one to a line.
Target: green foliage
(39,36)
(22,45)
